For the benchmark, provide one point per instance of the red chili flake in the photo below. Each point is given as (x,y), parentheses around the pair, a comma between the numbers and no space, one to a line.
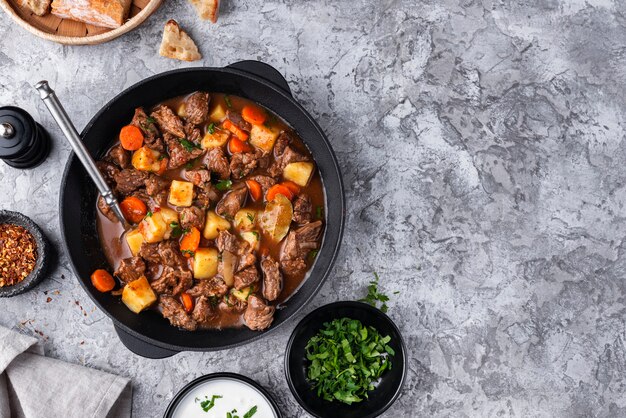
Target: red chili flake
(18,254)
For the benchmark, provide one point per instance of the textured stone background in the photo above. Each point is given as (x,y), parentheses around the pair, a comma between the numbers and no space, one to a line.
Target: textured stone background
(483,147)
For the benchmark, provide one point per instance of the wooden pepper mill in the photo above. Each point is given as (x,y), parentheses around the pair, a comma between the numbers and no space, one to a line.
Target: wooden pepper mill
(23,142)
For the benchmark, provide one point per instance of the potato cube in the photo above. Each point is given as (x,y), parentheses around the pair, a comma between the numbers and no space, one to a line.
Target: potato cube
(218,113)
(134,239)
(181,193)
(215,140)
(263,137)
(182,110)
(146,159)
(300,172)
(242,294)
(253,238)
(245,219)
(169,215)
(205,261)
(153,228)
(214,224)
(138,295)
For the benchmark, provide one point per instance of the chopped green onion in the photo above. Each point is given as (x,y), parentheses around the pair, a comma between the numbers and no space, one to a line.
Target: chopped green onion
(223,185)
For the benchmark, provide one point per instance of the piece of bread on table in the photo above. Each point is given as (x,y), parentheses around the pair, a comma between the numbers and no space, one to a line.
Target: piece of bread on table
(207,9)
(177,44)
(39,7)
(107,13)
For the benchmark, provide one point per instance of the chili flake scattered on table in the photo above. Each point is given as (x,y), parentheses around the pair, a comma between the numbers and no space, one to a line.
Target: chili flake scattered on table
(18,254)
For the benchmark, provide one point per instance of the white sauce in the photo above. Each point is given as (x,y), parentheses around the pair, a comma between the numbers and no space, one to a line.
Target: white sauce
(235,395)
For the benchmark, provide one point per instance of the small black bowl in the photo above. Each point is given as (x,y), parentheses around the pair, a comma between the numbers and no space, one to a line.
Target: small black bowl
(381,398)
(191,385)
(43,250)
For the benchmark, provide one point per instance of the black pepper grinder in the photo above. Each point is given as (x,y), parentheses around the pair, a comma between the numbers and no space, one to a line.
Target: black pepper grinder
(23,142)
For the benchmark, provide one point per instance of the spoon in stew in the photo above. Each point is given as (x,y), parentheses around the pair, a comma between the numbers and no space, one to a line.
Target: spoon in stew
(62,119)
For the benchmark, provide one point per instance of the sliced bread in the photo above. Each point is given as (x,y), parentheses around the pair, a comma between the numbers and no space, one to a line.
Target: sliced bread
(106,13)
(207,9)
(177,44)
(39,7)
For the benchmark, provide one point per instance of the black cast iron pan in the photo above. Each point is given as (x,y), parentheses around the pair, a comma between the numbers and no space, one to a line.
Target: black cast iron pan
(148,334)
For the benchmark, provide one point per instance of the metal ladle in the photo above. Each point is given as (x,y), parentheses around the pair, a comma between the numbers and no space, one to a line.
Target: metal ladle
(60,116)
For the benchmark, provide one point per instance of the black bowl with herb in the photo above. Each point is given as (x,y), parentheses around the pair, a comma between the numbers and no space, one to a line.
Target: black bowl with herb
(327,323)
(24,248)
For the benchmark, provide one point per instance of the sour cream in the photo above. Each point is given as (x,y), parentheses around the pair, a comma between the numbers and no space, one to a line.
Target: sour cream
(235,394)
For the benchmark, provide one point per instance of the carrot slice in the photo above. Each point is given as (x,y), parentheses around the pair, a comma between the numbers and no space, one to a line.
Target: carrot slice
(293,187)
(278,189)
(187,302)
(162,166)
(190,242)
(131,138)
(253,115)
(134,209)
(235,146)
(102,280)
(239,133)
(255,189)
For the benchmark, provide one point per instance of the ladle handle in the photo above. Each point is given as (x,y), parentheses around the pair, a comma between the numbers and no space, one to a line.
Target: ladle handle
(62,119)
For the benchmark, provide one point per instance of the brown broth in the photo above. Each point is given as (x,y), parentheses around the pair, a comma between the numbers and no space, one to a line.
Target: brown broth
(116,249)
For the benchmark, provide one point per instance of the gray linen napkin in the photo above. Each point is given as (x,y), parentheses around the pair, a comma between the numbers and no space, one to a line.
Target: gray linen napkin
(34,386)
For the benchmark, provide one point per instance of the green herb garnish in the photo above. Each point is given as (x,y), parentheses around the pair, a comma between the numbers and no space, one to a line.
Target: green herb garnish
(207,404)
(227,100)
(189,252)
(188,145)
(313,254)
(251,412)
(346,359)
(256,234)
(150,120)
(211,128)
(319,212)
(250,217)
(223,185)
(149,214)
(190,164)
(177,231)
(374,296)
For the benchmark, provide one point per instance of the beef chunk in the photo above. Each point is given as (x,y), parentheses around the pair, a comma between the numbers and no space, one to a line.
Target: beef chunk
(156,144)
(217,163)
(243,163)
(265,181)
(246,256)
(283,140)
(175,313)
(197,107)
(232,304)
(202,198)
(108,171)
(142,195)
(288,156)
(237,120)
(106,210)
(192,217)
(129,180)
(165,252)
(193,133)
(272,278)
(119,156)
(131,269)
(206,192)
(199,177)
(232,202)
(156,184)
(204,312)
(297,246)
(179,155)
(259,315)
(147,126)
(168,121)
(227,242)
(302,208)
(213,287)
(173,281)
(153,270)
(246,277)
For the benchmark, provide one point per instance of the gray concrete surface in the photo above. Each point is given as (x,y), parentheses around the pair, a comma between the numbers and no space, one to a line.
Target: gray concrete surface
(482,145)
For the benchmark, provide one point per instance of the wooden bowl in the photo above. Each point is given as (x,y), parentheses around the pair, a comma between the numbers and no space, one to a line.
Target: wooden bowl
(71,32)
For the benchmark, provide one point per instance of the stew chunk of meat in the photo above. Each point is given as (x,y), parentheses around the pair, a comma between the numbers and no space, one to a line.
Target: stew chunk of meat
(175,313)
(179,154)
(119,156)
(129,180)
(272,278)
(146,125)
(173,281)
(231,202)
(297,246)
(168,121)
(192,217)
(302,208)
(197,108)
(213,287)
(259,315)
(217,163)
(131,269)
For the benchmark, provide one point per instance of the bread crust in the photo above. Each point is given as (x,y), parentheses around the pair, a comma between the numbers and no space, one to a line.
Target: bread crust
(177,44)
(207,9)
(39,7)
(106,13)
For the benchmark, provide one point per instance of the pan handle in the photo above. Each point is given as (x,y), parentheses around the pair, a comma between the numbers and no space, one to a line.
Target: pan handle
(142,348)
(263,70)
